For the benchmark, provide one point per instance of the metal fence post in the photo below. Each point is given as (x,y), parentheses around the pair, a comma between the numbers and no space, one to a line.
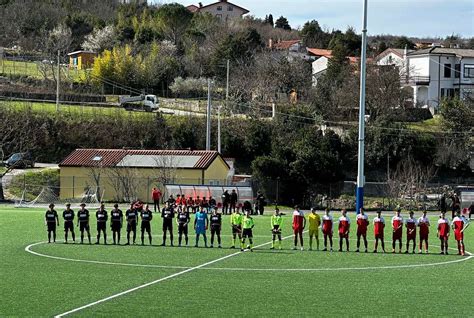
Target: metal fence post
(73,186)
(148,189)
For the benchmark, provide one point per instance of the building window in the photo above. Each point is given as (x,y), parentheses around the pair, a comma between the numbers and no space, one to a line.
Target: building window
(469,71)
(447,70)
(219,16)
(219,8)
(450,92)
(457,70)
(442,92)
(457,93)
(230,8)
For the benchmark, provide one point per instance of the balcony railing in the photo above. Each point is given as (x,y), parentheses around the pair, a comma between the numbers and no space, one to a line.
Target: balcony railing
(416,80)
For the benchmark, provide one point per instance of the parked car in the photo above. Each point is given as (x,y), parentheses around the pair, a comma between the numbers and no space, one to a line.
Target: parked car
(20,160)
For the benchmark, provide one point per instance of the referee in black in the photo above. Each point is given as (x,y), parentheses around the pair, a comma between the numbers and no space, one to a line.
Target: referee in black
(51,219)
(102,217)
(68,216)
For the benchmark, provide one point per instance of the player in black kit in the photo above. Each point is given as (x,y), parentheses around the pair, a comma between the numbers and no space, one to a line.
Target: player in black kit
(83,222)
(68,216)
(132,218)
(51,219)
(146,216)
(167,214)
(182,220)
(116,220)
(102,217)
(216,225)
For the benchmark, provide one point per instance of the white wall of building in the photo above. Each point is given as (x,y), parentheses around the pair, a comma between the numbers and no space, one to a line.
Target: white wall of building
(223,10)
(391,59)
(319,68)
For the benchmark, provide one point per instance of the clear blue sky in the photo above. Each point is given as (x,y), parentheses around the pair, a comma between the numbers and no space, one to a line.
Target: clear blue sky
(399,17)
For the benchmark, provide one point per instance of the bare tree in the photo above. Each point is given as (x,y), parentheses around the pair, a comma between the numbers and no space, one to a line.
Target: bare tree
(165,168)
(125,181)
(409,181)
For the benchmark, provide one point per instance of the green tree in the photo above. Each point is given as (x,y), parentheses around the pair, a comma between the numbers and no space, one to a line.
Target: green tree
(173,20)
(402,42)
(282,23)
(313,36)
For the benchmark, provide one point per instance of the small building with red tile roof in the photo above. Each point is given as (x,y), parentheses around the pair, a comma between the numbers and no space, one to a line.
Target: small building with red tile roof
(119,173)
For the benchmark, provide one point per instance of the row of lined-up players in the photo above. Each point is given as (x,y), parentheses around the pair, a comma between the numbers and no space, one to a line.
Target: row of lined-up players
(201,223)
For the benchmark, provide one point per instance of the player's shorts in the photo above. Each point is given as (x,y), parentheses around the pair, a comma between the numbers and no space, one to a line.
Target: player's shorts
(101,226)
(343,235)
(276,230)
(167,226)
(84,226)
(443,237)
(314,232)
(327,233)
(397,235)
(458,236)
(216,229)
(361,232)
(423,237)
(145,226)
(69,226)
(200,230)
(379,236)
(411,236)
(116,226)
(297,230)
(51,226)
(247,233)
(132,227)
(183,228)
(237,229)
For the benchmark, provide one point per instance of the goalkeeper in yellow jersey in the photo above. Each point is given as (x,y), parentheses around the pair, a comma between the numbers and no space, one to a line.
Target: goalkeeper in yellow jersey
(314,223)
(276,222)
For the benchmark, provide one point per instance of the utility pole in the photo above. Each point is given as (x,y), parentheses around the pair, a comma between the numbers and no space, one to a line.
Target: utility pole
(219,128)
(360,157)
(208,130)
(57,86)
(227,83)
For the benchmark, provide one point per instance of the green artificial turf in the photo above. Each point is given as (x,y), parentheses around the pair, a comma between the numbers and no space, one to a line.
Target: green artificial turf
(262,283)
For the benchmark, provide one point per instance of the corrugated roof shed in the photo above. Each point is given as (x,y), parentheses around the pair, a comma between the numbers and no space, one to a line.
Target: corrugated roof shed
(199,159)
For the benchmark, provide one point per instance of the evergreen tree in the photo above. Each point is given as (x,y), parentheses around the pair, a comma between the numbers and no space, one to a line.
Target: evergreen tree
(282,23)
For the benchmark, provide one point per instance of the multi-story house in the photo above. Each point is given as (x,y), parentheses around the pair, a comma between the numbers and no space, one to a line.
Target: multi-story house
(438,73)
(222,9)
(433,73)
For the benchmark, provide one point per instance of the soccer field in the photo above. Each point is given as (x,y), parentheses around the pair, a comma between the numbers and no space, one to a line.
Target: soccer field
(40,279)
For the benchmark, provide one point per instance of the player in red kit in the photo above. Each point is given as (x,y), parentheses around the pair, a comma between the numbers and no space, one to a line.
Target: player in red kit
(362,223)
(411,224)
(379,226)
(299,223)
(424,225)
(443,232)
(344,228)
(327,229)
(459,224)
(397,227)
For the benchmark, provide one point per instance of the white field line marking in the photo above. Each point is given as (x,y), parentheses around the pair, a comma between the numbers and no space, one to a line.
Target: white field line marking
(157,281)
(28,249)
